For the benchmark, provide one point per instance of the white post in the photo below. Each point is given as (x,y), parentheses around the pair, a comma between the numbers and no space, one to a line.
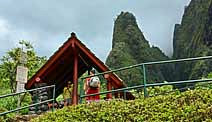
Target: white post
(21,76)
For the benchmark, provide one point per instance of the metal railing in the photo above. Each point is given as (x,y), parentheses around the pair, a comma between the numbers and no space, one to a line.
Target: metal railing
(143,69)
(145,85)
(32,105)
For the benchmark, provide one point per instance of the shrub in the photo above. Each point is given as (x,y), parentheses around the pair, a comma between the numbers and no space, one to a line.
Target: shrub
(193,105)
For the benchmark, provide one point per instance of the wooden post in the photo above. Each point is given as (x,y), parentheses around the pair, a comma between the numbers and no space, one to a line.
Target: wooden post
(75,77)
(121,95)
(116,94)
(109,86)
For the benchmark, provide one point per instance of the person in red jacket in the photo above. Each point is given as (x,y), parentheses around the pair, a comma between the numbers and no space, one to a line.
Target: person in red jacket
(92,90)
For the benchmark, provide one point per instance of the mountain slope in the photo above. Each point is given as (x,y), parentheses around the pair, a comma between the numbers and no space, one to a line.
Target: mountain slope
(130,47)
(193,38)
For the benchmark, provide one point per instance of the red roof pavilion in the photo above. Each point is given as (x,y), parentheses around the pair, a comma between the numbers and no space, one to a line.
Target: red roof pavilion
(69,63)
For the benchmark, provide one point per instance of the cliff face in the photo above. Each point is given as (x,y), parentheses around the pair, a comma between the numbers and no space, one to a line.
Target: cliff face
(193,38)
(130,47)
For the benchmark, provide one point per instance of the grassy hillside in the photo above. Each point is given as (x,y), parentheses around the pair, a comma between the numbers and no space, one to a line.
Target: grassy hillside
(194,105)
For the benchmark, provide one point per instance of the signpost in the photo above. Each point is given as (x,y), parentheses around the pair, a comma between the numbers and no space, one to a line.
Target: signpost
(21,75)
(20,87)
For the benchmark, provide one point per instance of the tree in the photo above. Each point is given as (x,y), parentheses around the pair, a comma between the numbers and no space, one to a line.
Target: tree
(11,60)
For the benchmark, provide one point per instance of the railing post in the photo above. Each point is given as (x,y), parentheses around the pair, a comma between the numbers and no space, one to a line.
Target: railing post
(19,100)
(36,99)
(81,90)
(109,86)
(53,98)
(144,75)
(125,95)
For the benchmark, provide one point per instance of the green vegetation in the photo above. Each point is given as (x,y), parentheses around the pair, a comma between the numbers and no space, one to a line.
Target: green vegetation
(10,103)
(192,38)
(130,47)
(12,59)
(8,65)
(194,105)
(167,104)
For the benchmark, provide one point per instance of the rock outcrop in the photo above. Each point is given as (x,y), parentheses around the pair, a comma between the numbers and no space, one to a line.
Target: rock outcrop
(129,47)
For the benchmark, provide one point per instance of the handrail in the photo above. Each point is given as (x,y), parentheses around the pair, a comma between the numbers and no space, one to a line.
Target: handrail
(20,108)
(142,65)
(149,63)
(13,94)
(148,85)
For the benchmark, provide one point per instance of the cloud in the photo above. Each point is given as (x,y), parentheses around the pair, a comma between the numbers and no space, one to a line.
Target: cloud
(49,23)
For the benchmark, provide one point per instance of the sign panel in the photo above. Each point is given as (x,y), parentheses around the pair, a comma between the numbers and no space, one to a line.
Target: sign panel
(21,75)
(20,87)
(23,58)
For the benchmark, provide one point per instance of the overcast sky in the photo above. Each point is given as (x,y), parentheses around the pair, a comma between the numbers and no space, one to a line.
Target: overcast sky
(48,23)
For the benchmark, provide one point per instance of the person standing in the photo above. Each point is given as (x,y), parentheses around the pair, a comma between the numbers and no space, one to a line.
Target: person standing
(67,94)
(92,86)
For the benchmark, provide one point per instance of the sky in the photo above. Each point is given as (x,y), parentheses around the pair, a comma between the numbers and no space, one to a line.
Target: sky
(48,23)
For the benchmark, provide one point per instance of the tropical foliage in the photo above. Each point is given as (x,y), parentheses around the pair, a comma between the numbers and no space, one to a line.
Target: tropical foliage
(192,38)
(193,105)
(11,60)
(8,65)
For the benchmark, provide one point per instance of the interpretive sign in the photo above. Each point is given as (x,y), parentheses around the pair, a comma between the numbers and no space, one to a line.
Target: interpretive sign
(21,75)
(20,87)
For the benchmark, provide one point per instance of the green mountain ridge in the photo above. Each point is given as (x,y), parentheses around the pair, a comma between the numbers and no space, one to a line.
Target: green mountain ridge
(129,47)
(192,38)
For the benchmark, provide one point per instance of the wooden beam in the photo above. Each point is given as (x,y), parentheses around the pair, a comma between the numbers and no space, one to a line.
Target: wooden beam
(50,62)
(62,83)
(58,65)
(99,64)
(116,82)
(75,76)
